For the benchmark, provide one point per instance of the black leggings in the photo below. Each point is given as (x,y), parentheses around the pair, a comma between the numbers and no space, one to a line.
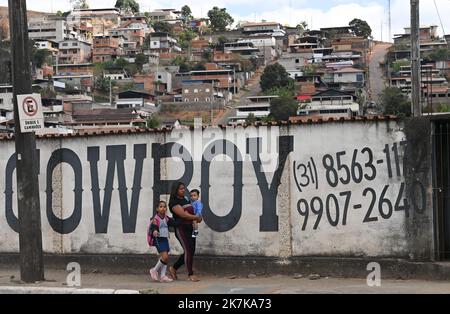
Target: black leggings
(184,235)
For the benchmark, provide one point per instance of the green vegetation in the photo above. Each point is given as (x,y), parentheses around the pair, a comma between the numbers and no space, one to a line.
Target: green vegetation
(185,38)
(283,108)
(394,102)
(361,28)
(186,14)
(41,57)
(442,54)
(220,19)
(79,4)
(153,122)
(396,66)
(275,76)
(128,6)
(251,119)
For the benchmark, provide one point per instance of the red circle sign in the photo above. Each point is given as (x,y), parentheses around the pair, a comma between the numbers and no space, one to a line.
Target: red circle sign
(30,106)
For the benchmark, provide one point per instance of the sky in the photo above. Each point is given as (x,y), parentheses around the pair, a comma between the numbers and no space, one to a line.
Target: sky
(317,13)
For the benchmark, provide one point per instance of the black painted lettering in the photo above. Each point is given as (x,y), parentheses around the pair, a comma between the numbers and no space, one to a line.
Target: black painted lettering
(216,223)
(68,225)
(269,218)
(161,151)
(116,156)
(11,219)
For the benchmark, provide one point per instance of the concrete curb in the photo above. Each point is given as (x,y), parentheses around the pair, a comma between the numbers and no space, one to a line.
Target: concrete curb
(50,290)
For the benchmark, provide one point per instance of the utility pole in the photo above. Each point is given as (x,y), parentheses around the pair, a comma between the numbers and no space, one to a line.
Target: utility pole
(415,60)
(30,234)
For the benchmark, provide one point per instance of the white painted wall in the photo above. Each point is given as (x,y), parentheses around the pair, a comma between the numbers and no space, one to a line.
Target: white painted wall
(385,237)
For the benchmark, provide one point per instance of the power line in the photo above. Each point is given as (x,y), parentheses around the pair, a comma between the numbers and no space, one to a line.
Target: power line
(440,19)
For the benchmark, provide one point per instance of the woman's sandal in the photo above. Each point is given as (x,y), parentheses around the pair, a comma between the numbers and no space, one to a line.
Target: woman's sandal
(173,273)
(193,279)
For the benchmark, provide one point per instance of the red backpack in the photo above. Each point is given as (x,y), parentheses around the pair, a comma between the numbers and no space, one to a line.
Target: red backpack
(150,237)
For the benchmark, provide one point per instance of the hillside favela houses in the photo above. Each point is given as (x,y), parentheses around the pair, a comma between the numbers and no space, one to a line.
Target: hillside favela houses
(177,67)
(300,139)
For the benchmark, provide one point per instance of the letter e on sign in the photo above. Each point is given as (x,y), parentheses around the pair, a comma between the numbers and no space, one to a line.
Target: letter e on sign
(30,113)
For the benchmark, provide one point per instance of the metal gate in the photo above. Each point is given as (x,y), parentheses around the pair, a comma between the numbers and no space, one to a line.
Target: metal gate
(442,187)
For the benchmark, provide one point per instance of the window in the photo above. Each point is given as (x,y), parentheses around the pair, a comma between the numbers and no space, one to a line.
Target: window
(207,90)
(207,99)
(297,61)
(196,99)
(159,77)
(340,75)
(186,100)
(196,91)
(186,91)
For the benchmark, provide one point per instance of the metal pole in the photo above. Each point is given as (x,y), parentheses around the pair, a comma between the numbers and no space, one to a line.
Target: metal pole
(390,22)
(212,102)
(30,234)
(415,60)
(234,79)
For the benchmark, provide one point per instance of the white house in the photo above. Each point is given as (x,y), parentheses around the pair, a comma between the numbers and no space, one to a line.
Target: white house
(273,28)
(259,106)
(349,76)
(49,28)
(331,103)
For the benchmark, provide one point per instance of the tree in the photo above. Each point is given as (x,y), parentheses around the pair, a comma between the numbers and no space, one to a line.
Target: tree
(185,38)
(163,27)
(220,45)
(220,19)
(153,122)
(121,63)
(207,56)
(102,84)
(283,108)
(394,102)
(41,57)
(275,76)
(397,65)
(303,26)
(128,6)
(79,4)
(186,14)
(251,119)
(140,60)
(441,54)
(361,28)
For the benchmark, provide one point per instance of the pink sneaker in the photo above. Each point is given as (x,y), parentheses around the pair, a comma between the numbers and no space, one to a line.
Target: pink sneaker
(154,274)
(165,279)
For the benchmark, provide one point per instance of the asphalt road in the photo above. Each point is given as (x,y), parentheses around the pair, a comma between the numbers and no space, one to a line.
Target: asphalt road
(219,285)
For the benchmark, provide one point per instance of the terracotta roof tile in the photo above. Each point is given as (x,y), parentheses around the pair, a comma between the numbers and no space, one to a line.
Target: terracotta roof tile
(294,121)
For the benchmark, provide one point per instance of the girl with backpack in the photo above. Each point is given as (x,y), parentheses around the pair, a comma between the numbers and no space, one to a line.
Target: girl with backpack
(158,236)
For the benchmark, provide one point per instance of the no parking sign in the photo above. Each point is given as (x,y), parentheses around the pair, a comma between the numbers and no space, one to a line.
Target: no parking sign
(30,113)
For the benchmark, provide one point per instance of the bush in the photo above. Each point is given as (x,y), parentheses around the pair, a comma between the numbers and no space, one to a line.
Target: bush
(394,102)
(276,76)
(283,108)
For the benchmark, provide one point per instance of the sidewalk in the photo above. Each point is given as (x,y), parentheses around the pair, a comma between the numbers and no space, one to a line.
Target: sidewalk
(103,283)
